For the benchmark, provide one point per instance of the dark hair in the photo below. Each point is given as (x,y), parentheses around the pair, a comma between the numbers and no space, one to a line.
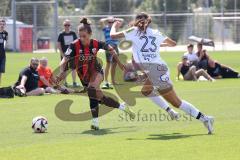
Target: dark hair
(85,25)
(142,21)
(190,46)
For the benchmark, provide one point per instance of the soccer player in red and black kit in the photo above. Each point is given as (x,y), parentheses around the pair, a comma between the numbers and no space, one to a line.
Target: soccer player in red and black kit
(3,40)
(84,52)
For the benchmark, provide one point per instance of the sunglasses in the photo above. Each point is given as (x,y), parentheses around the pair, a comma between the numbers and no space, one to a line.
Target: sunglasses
(35,64)
(67,25)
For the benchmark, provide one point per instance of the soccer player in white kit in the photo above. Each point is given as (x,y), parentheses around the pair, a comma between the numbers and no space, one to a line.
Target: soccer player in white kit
(146,47)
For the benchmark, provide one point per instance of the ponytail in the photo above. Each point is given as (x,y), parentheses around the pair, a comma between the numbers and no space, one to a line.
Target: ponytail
(85,25)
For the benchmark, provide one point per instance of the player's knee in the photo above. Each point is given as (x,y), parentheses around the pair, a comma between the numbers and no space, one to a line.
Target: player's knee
(92,92)
(176,103)
(147,91)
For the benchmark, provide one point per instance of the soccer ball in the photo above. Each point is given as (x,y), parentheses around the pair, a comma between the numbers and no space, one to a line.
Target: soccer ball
(39,124)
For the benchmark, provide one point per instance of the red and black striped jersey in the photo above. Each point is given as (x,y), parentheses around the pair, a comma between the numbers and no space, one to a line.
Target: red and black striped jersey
(85,57)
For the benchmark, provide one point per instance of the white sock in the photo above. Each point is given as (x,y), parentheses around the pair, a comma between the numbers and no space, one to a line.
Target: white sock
(192,111)
(158,100)
(95,121)
(122,106)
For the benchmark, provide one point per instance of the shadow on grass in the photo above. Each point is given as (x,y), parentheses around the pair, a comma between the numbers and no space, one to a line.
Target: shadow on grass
(106,131)
(172,136)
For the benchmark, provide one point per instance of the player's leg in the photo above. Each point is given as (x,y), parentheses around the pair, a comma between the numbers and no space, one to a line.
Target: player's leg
(148,91)
(36,92)
(190,109)
(95,93)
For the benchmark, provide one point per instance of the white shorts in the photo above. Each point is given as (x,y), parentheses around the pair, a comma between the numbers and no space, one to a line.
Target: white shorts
(159,75)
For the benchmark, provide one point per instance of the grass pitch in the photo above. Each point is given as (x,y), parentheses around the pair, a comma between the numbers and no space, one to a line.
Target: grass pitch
(120,138)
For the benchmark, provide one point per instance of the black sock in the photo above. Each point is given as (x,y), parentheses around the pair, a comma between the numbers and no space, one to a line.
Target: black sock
(199,115)
(94,107)
(168,109)
(110,102)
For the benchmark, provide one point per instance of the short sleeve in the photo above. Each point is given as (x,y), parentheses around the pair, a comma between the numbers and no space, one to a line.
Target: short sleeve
(60,37)
(26,73)
(74,36)
(161,36)
(6,37)
(102,45)
(70,51)
(129,33)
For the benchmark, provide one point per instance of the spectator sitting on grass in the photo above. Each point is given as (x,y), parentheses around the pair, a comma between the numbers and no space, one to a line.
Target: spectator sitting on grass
(28,80)
(47,79)
(191,56)
(189,72)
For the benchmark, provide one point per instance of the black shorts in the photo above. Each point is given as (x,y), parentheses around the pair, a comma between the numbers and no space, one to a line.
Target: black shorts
(85,80)
(70,64)
(2,64)
(109,57)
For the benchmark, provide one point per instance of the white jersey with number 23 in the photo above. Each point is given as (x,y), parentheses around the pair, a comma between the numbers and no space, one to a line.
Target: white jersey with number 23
(146,47)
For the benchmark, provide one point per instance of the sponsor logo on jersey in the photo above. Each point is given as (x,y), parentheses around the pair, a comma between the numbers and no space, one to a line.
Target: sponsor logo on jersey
(94,50)
(68,52)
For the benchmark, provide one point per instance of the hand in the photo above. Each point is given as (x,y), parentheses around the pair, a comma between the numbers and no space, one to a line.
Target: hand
(117,24)
(20,87)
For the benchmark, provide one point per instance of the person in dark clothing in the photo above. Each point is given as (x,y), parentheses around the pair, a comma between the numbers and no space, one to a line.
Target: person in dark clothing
(3,40)
(28,79)
(203,57)
(219,71)
(64,40)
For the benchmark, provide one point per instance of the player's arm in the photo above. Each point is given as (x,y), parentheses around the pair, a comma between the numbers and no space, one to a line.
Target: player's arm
(114,53)
(169,42)
(63,69)
(114,34)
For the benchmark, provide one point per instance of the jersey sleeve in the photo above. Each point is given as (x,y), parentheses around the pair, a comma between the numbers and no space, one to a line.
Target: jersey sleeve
(102,45)
(6,37)
(161,36)
(70,51)
(59,38)
(129,33)
(74,36)
(26,73)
